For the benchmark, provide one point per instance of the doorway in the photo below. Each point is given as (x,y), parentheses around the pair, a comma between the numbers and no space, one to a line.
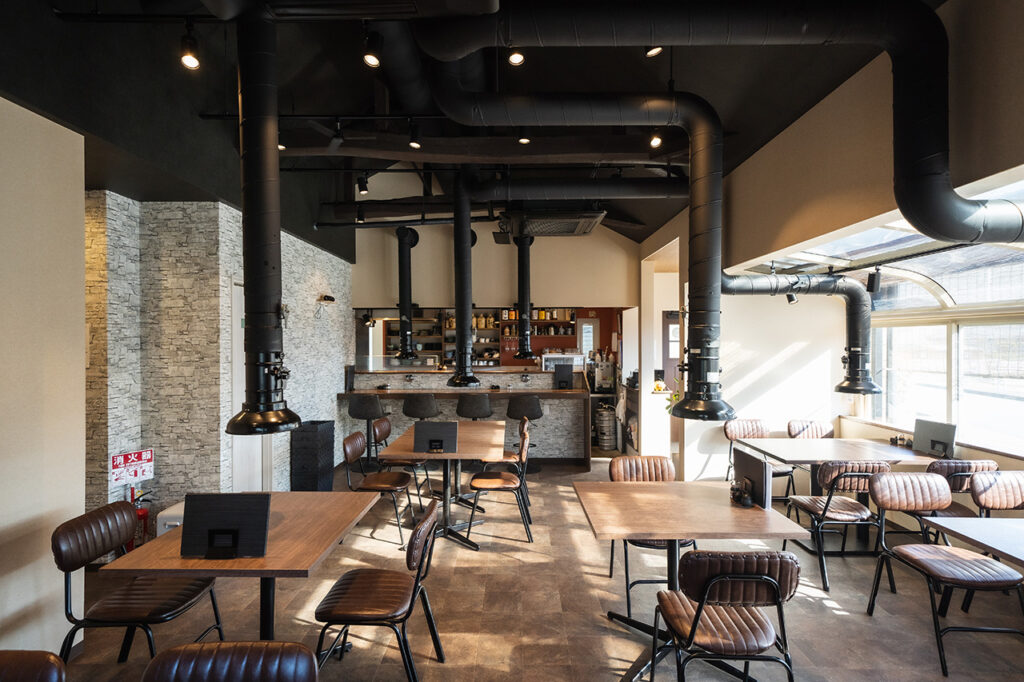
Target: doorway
(251,462)
(670,349)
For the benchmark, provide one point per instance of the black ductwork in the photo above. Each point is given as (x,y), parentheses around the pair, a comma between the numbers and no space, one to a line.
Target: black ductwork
(407,238)
(463,238)
(523,243)
(569,190)
(702,398)
(264,409)
(908,30)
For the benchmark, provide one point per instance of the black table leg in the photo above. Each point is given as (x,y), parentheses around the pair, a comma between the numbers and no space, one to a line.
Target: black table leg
(268,588)
(448,529)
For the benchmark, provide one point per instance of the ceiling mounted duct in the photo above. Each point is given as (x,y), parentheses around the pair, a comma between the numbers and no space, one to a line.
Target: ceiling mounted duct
(555,223)
(375,9)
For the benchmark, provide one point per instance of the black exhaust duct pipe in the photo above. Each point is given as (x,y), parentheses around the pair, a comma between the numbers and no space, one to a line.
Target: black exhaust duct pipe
(572,190)
(264,410)
(463,238)
(407,238)
(523,243)
(702,398)
(908,30)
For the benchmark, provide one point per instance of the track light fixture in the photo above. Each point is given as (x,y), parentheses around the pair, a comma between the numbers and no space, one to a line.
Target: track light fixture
(280,147)
(515,57)
(875,281)
(791,298)
(368,320)
(522,136)
(653,50)
(414,135)
(656,139)
(372,44)
(360,215)
(189,48)
(364,185)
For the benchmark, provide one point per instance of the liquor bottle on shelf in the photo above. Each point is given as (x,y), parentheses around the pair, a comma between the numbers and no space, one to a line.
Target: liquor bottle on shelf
(504,313)
(572,315)
(554,314)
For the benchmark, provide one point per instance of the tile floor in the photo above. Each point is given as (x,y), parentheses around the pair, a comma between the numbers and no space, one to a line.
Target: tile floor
(518,611)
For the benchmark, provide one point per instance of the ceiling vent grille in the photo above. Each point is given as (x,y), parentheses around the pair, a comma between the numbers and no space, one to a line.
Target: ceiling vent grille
(557,224)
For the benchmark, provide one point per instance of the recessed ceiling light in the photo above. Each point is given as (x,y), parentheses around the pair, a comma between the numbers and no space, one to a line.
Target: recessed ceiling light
(515,57)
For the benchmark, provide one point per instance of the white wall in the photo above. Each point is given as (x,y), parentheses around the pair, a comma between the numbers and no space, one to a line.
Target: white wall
(42,453)
(630,360)
(660,292)
(780,362)
(598,270)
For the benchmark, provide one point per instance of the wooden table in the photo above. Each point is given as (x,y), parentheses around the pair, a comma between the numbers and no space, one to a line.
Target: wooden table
(817,451)
(477,440)
(669,511)
(1002,537)
(304,528)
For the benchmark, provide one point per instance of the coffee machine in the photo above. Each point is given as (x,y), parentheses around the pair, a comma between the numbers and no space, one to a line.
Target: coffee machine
(604,377)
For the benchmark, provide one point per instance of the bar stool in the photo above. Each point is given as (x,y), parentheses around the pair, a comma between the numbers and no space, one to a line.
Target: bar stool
(369,408)
(420,406)
(475,406)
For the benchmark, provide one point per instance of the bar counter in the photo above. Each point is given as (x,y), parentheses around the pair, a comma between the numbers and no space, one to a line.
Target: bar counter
(562,433)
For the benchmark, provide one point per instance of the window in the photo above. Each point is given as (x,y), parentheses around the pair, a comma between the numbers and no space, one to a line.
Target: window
(673,341)
(991,395)
(586,337)
(910,365)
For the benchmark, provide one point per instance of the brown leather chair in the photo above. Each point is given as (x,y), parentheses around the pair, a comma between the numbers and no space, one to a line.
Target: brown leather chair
(383,482)
(506,481)
(958,473)
(31,666)
(737,429)
(943,568)
(717,612)
(806,428)
(381,433)
(510,458)
(234,662)
(640,468)
(378,597)
(997,491)
(836,510)
(142,602)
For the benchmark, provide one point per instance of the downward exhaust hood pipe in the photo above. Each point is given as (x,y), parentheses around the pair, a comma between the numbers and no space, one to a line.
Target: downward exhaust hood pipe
(702,399)
(264,409)
(523,243)
(463,238)
(908,30)
(407,238)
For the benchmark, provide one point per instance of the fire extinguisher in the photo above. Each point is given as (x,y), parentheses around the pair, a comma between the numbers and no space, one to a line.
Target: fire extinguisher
(142,516)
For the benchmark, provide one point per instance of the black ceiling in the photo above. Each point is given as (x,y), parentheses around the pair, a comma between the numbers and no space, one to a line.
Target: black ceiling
(758,92)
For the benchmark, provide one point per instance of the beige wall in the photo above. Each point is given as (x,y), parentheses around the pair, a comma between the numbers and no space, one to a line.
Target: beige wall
(42,453)
(600,269)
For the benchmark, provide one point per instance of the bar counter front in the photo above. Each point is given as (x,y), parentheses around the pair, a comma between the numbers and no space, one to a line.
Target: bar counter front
(562,433)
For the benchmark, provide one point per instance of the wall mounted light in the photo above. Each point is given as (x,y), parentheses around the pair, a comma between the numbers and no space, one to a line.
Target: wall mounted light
(653,50)
(363,184)
(515,57)
(189,48)
(323,301)
(372,44)
(414,135)
(875,281)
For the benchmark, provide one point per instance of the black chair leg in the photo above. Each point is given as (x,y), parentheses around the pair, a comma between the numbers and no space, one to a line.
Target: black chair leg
(69,640)
(432,626)
(398,520)
(410,673)
(654,643)
(472,513)
(947,596)
(874,586)
(408,652)
(938,628)
(892,578)
(525,514)
(625,568)
(217,624)
(968,598)
(416,482)
(149,640)
(126,644)
(611,560)
(819,541)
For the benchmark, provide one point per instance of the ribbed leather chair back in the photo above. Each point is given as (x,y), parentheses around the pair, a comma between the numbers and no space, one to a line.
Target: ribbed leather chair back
(528,406)
(998,489)
(735,429)
(909,491)
(805,428)
(698,567)
(381,429)
(422,537)
(86,538)
(233,662)
(474,406)
(31,666)
(641,468)
(953,471)
(363,406)
(830,471)
(354,446)
(420,406)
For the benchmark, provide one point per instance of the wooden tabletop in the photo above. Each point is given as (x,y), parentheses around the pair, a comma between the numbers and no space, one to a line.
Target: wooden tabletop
(676,510)
(1002,537)
(821,450)
(453,393)
(482,440)
(304,528)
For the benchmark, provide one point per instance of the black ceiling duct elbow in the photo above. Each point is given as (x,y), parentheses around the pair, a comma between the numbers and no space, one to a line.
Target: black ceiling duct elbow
(523,243)
(264,409)
(908,30)
(407,238)
(463,243)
